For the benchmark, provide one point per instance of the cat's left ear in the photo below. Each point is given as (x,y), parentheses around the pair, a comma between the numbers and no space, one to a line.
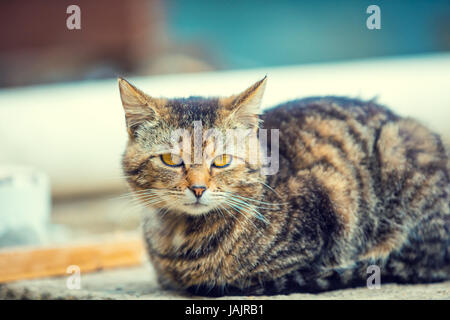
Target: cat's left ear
(242,110)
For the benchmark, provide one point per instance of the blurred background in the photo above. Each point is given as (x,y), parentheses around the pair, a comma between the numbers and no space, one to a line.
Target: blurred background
(141,37)
(60,111)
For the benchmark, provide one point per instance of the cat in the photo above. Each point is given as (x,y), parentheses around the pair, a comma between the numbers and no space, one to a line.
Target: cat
(356,186)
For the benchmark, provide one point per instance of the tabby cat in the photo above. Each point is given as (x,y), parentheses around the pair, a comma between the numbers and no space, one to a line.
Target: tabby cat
(356,185)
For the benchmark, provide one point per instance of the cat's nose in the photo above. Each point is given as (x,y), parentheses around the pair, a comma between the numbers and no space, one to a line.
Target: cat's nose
(197,190)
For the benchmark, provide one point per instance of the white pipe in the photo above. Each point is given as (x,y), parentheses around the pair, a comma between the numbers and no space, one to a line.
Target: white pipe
(75,132)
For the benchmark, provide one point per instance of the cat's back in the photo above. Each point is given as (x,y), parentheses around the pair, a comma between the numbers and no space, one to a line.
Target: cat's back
(332,127)
(300,112)
(368,161)
(327,131)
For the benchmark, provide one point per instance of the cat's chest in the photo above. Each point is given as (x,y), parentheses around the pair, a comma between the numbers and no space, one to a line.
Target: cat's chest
(196,256)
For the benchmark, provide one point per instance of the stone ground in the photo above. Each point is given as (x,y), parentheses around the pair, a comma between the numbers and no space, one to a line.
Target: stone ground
(140,283)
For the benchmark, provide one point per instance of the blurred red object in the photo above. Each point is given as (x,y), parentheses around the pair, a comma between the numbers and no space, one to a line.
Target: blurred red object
(116,36)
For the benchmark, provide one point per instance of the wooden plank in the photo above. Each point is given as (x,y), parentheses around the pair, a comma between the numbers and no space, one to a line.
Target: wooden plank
(27,263)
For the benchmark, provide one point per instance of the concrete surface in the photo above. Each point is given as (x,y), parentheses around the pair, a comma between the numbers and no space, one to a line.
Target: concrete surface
(140,283)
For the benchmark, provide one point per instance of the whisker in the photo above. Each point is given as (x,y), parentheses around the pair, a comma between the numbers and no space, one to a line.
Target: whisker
(250,207)
(270,188)
(147,191)
(129,194)
(240,199)
(229,213)
(144,199)
(255,200)
(238,209)
(245,217)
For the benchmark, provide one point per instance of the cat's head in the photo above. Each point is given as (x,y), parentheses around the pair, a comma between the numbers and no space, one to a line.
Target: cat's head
(193,155)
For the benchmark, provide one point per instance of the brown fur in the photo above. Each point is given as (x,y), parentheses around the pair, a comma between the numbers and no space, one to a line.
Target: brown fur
(357,185)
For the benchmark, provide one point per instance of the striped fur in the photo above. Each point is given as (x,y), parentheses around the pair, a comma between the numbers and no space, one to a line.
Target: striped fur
(357,185)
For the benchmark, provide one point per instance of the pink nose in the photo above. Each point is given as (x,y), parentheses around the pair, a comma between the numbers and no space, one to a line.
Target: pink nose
(198,190)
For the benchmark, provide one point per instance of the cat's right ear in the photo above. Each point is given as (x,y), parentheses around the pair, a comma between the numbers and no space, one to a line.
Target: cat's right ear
(138,106)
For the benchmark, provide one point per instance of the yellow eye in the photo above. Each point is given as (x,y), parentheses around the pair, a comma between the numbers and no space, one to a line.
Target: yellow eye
(172,160)
(222,161)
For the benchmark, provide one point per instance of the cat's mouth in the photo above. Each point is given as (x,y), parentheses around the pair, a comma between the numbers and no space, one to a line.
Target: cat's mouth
(195,204)
(196,208)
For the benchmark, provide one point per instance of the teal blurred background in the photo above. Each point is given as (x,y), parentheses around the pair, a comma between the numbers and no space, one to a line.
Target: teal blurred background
(245,34)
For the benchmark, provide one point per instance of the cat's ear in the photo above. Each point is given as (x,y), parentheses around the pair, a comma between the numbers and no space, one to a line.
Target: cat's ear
(243,110)
(138,106)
